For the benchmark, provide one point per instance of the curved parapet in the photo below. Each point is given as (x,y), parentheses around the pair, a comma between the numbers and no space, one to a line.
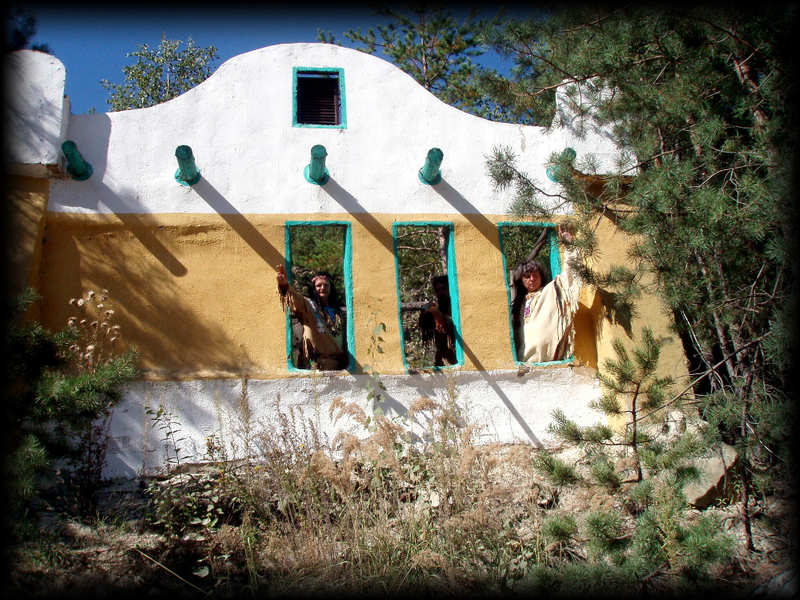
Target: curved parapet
(241,125)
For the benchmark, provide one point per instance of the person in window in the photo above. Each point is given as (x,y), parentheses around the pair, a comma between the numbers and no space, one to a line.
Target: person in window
(542,312)
(323,345)
(436,322)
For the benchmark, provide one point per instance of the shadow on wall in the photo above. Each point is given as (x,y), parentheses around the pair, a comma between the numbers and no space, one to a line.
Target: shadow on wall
(470,212)
(585,347)
(91,136)
(609,306)
(35,133)
(238,222)
(347,201)
(134,224)
(502,395)
(154,307)
(97,131)
(137,444)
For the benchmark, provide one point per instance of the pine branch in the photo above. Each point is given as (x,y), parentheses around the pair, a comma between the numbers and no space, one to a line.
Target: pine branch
(704,375)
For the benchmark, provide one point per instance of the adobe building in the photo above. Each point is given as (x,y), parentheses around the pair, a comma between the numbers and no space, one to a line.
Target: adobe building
(187,244)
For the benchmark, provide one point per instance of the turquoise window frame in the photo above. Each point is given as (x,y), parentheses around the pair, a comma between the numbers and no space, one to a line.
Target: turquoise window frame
(342,99)
(555,269)
(452,282)
(347,270)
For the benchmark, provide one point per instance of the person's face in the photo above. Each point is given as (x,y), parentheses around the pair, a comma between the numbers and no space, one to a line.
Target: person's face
(323,287)
(441,288)
(532,280)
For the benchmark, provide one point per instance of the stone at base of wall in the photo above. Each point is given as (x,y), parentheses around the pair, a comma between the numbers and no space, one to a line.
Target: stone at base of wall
(715,477)
(505,407)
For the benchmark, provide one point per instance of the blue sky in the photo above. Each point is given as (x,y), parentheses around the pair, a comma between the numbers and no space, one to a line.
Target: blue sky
(92,42)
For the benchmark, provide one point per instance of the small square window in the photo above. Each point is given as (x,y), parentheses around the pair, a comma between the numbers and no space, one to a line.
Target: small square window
(319,98)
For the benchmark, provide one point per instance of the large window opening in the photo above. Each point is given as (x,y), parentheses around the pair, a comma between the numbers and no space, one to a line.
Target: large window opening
(427,295)
(542,295)
(319,98)
(319,307)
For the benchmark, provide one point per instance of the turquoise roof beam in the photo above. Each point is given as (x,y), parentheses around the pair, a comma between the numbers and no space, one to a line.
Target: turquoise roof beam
(315,171)
(430,172)
(77,167)
(187,173)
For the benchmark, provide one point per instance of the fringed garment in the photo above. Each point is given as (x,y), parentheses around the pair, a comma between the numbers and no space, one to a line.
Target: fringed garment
(323,344)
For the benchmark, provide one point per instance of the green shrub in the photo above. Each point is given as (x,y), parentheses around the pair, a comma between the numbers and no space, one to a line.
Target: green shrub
(555,469)
(60,388)
(559,529)
(605,474)
(606,536)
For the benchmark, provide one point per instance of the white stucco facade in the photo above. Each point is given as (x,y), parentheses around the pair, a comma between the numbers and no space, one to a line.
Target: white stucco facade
(36,112)
(251,159)
(236,124)
(504,408)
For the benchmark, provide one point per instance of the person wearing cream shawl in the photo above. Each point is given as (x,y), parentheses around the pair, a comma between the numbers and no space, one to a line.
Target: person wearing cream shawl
(542,313)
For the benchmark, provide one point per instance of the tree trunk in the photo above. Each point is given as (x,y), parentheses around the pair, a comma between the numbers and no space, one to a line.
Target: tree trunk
(745,75)
(748,530)
(538,245)
(634,431)
(721,337)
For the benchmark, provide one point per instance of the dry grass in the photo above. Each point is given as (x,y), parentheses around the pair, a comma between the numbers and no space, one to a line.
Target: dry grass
(354,515)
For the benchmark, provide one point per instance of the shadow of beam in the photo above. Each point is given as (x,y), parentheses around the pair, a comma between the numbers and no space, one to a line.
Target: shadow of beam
(144,233)
(347,201)
(238,222)
(500,394)
(469,211)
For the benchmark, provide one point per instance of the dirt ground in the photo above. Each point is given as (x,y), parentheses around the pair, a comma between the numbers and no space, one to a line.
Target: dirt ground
(118,553)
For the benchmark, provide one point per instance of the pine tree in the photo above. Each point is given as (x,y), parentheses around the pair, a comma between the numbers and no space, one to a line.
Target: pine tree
(632,391)
(436,49)
(662,542)
(700,100)
(57,385)
(20,29)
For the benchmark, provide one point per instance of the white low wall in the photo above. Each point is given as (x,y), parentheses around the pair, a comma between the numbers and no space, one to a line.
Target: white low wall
(505,406)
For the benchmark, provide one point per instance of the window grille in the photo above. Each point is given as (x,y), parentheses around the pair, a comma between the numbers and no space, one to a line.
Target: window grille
(318,98)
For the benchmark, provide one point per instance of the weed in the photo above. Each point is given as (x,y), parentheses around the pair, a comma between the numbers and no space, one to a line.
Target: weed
(190,501)
(375,387)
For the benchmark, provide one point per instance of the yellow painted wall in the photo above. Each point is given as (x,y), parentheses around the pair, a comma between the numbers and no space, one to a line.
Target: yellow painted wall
(650,310)
(196,294)
(26,203)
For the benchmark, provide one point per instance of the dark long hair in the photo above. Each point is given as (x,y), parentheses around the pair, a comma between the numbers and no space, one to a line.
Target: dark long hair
(334,300)
(519,292)
(442,301)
